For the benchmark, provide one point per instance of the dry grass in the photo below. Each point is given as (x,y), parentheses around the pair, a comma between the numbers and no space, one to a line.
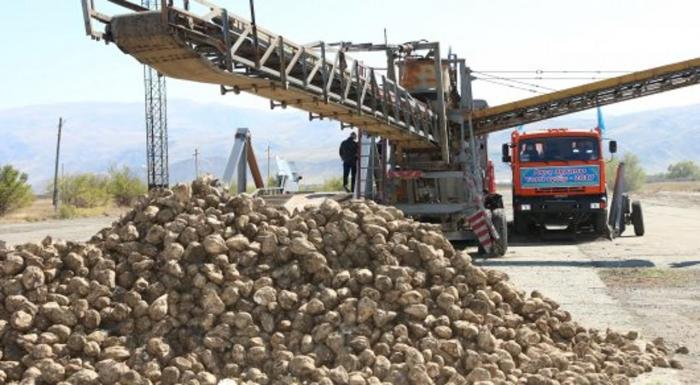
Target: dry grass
(679,194)
(649,277)
(656,187)
(42,209)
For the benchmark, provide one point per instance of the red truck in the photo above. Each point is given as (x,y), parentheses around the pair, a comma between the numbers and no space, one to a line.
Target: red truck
(559,180)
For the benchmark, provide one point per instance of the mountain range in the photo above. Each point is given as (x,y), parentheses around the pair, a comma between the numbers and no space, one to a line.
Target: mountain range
(97,135)
(658,137)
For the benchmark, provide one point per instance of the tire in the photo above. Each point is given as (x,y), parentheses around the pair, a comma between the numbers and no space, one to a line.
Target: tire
(500,222)
(637,218)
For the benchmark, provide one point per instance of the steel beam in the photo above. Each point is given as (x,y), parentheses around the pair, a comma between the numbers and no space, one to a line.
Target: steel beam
(274,68)
(604,92)
(156,111)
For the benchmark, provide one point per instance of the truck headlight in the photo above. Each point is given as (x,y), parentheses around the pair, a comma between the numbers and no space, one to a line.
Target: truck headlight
(595,205)
(525,207)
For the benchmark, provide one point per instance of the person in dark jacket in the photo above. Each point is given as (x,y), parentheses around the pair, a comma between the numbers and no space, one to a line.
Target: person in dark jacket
(348,154)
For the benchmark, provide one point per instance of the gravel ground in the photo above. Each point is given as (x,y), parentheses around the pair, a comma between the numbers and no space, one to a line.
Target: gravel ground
(571,271)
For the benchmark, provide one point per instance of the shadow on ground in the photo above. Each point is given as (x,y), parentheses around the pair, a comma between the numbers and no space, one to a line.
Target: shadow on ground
(616,264)
(546,238)
(541,237)
(677,265)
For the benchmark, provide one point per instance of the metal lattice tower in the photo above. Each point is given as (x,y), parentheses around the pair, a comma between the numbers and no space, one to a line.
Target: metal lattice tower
(156,121)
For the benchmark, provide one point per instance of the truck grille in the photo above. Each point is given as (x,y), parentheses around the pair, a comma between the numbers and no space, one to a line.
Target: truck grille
(554,190)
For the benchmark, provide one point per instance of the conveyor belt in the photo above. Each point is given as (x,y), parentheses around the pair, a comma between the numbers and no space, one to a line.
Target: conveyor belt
(182,45)
(608,91)
(224,49)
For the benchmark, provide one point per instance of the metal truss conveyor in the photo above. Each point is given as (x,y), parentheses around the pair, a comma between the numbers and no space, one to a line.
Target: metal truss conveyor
(600,93)
(220,48)
(224,49)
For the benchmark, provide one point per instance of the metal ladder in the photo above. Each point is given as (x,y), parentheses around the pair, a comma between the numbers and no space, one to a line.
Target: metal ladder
(370,173)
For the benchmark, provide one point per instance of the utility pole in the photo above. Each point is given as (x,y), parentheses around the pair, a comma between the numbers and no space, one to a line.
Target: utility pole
(156,107)
(268,163)
(55,173)
(196,163)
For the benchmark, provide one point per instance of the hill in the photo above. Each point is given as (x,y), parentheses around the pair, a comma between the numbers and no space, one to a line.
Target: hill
(99,134)
(659,137)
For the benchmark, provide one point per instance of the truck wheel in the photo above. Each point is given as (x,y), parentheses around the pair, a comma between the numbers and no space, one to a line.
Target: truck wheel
(637,218)
(498,217)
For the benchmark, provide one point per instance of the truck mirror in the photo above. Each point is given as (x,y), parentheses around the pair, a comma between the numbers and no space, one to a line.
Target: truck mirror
(505,153)
(613,147)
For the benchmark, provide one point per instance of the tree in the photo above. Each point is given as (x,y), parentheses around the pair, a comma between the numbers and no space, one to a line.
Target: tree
(635,177)
(688,170)
(124,185)
(83,190)
(14,190)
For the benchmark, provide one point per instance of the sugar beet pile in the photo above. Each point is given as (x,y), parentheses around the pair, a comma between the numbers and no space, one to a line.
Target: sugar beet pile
(194,286)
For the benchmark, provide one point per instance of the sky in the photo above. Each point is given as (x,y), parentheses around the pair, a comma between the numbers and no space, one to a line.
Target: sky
(47,58)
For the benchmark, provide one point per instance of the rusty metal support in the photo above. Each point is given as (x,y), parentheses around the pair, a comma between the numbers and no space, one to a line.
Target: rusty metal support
(441,107)
(255,34)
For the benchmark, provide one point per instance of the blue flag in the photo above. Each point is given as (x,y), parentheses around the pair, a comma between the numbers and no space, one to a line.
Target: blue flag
(601,122)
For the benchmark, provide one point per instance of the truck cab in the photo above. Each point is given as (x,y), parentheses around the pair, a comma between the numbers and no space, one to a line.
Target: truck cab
(558,179)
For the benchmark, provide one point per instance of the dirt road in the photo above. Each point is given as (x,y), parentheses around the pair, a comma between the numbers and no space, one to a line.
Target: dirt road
(75,229)
(583,276)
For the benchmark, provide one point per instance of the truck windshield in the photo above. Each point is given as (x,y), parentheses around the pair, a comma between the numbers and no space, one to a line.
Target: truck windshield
(558,149)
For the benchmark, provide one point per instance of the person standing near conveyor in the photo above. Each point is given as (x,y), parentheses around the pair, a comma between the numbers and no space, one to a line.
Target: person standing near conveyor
(348,154)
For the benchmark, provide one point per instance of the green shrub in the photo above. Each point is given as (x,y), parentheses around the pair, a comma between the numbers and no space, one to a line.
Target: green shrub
(250,188)
(686,170)
(635,177)
(272,182)
(84,190)
(332,184)
(15,193)
(67,212)
(124,186)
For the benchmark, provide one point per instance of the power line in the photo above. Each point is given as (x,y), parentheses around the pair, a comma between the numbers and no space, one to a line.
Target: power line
(557,78)
(196,163)
(557,72)
(55,174)
(514,81)
(534,91)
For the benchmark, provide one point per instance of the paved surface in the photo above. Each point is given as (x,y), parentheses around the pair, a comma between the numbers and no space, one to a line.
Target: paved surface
(75,230)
